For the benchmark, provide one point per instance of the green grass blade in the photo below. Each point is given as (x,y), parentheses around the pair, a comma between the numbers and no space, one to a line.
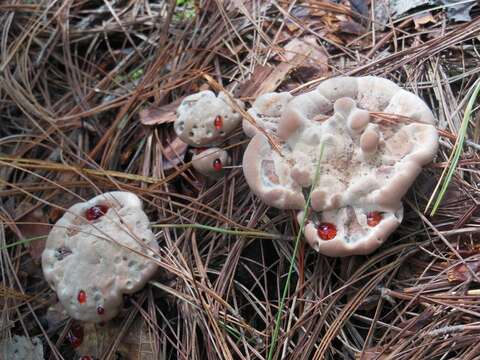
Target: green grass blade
(23,242)
(456,152)
(292,260)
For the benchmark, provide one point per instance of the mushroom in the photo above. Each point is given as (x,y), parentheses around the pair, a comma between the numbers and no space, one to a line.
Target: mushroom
(96,252)
(266,110)
(365,169)
(210,162)
(204,119)
(21,348)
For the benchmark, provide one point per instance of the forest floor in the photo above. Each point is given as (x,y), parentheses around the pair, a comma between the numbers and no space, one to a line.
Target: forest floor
(88,92)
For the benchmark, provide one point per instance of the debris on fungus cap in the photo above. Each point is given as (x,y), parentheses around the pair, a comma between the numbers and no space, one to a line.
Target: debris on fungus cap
(204,119)
(97,252)
(366,167)
(210,162)
(266,110)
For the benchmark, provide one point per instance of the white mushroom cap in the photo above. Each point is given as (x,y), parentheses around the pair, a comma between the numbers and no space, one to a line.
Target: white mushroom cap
(366,164)
(269,177)
(210,162)
(21,348)
(203,119)
(92,258)
(266,110)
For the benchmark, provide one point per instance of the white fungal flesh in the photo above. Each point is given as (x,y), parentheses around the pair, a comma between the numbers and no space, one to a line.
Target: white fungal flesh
(205,162)
(266,110)
(21,348)
(103,258)
(367,164)
(195,123)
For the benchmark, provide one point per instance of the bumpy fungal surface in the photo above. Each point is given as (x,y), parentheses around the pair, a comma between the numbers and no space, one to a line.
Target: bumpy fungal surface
(21,348)
(97,252)
(210,162)
(204,119)
(266,110)
(366,167)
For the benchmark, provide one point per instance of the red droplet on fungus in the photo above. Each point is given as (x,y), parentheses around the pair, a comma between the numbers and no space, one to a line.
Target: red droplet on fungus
(82,297)
(374,218)
(100,310)
(217,165)
(218,122)
(327,231)
(95,212)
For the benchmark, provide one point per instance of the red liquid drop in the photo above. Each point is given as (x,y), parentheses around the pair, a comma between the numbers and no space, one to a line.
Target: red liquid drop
(218,122)
(75,336)
(82,297)
(86,357)
(327,231)
(100,310)
(95,212)
(374,218)
(217,165)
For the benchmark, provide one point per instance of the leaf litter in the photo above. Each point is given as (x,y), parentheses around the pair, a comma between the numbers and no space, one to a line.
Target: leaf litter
(87,97)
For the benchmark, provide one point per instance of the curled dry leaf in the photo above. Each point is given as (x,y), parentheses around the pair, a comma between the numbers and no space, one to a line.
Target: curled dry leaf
(135,344)
(312,54)
(303,55)
(156,115)
(424,18)
(173,153)
(307,57)
(35,225)
(259,75)
(351,27)
(460,272)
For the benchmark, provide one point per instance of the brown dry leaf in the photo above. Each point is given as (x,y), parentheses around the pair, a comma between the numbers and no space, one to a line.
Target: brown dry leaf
(174,153)
(418,322)
(276,77)
(259,75)
(335,39)
(299,54)
(36,225)
(351,27)
(313,60)
(460,272)
(301,14)
(135,345)
(422,19)
(156,115)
